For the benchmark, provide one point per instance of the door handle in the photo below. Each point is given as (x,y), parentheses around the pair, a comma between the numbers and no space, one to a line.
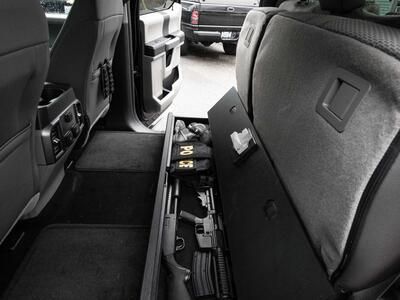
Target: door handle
(172,43)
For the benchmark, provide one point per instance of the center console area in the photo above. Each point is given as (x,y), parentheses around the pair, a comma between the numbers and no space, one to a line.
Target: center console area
(59,121)
(59,124)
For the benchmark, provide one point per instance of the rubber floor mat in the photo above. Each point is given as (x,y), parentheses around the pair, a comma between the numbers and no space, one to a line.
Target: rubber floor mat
(83,262)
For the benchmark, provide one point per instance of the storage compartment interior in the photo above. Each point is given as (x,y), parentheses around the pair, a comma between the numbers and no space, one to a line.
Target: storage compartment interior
(190,204)
(264,246)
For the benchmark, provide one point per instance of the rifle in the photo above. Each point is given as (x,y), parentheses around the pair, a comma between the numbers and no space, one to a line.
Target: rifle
(210,236)
(178,275)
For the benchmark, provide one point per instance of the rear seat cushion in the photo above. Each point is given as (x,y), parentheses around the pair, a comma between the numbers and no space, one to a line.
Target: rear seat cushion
(327,172)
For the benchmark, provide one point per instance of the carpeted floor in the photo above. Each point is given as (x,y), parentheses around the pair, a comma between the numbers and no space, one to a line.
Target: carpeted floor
(114,182)
(82,262)
(122,151)
(103,198)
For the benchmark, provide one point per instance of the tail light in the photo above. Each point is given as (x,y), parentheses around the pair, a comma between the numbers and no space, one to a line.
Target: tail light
(194,18)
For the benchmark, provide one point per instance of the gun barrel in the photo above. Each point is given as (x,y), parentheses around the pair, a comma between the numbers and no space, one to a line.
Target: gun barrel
(169,230)
(211,197)
(177,189)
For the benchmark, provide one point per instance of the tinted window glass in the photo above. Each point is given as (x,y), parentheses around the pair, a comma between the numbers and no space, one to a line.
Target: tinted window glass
(149,6)
(383,7)
(56,13)
(57,6)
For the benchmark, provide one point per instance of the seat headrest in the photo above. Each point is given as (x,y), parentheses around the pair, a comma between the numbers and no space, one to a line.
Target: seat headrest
(299,6)
(341,6)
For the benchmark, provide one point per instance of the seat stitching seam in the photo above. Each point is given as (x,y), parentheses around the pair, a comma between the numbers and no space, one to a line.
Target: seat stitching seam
(22,49)
(15,137)
(342,34)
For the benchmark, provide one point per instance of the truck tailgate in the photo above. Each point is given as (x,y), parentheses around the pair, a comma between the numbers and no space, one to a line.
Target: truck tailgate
(221,15)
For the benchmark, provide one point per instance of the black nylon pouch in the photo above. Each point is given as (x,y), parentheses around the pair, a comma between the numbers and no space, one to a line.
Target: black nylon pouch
(190,166)
(190,150)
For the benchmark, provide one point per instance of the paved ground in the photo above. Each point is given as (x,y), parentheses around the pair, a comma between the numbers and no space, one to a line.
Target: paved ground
(208,73)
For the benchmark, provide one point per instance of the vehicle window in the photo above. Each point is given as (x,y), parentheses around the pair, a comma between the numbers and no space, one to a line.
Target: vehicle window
(56,13)
(149,6)
(383,7)
(60,7)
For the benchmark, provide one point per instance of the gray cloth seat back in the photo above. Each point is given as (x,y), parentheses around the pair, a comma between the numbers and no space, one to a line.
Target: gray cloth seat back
(86,40)
(249,41)
(24,58)
(336,157)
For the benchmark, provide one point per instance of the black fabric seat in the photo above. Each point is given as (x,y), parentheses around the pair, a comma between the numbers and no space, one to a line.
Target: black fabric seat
(24,59)
(86,42)
(326,104)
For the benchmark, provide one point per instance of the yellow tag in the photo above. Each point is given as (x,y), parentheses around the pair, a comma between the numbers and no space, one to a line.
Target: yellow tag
(186,150)
(185,164)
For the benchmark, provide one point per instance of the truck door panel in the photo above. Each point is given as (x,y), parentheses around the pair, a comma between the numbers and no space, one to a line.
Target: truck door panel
(162,39)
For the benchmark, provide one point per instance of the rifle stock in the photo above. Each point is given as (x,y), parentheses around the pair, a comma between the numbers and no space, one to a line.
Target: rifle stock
(178,275)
